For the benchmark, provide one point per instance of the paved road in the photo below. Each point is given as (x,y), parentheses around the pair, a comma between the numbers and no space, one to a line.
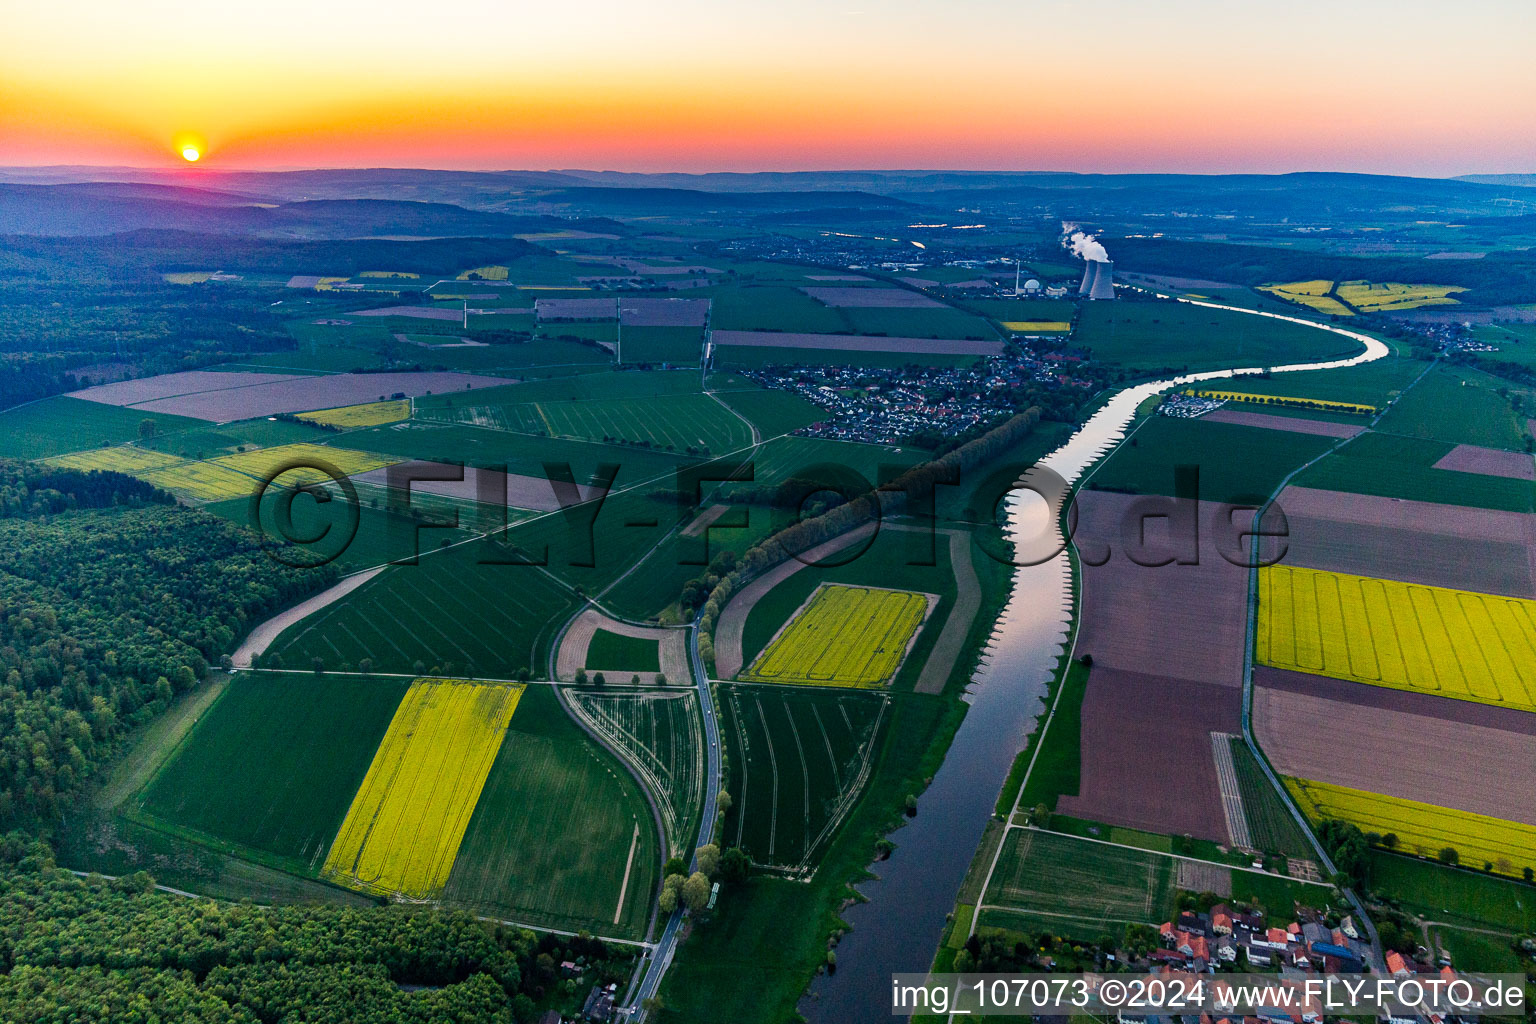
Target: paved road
(666,945)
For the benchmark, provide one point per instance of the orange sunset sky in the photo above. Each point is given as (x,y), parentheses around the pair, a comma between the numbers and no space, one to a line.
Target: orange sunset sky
(1094,85)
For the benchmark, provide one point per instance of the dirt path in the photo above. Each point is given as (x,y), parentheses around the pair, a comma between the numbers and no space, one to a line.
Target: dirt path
(957,624)
(262,636)
(733,620)
(157,742)
(634,840)
(572,656)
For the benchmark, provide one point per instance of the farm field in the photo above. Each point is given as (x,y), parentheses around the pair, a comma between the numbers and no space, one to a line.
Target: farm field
(231,437)
(403,829)
(1087,882)
(1460,406)
(1036,326)
(773,412)
(449,612)
(62,424)
(1255,398)
(844,636)
(1423,829)
(562,836)
(851,348)
(1270,824)
(1312,294)
(1452,643)
(381,535)
(773,307)
(660,344)
(798,764)
(273,765)
(1392,466)
(369,414)
(205,481)
(682,423)
(662,738)
(1374,383)
(808,351)
(1389,297)
(1154,336)
(1441,893)
(1236,462)
(121,458)
(262,463)
(610,652)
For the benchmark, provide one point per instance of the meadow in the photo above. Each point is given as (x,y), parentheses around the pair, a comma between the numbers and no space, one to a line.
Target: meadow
(1507,847)
(662,738)
(562,836)
(1451,643)
(61,424)
(273,765)
(402,832)
(1087,888)
(798,763)
(449,612)
(1469,897)
(844,636)
(369,414)
(1156,335)
(1394,466)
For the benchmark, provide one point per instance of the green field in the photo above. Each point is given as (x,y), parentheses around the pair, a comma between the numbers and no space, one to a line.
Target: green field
(918,323)
(798,761)
(662,737)
(774,308)
(554,831)
(381,535)
(611,652)
(1374,383)
(1236,463)
(229,437)
(520,453)
(1270,824)
(695,424)
(1095,887)
(1460,406)
(61,424)
(273,765)
(538,357)
(679,346)
(447,615)
(1457,895)
(773,412)
(1058,767)
(1393,466)
(1012,310)
(749,357)
(1155,336)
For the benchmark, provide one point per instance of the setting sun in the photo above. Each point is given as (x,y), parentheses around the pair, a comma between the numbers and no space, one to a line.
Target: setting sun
(190,153)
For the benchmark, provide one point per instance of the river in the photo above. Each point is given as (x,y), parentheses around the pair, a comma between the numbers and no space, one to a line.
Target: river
(899,928)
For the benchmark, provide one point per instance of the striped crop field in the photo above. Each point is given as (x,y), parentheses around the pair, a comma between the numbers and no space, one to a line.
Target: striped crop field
(688,423)
(259,464)
(1452,643)
(369,414)
(843,636)
(117,459)
(202,480)
(1312,294)
(403,829)
(1424,829)
(491,273)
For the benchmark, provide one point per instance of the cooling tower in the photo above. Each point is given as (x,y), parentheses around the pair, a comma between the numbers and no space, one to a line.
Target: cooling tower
(1103,281)
(1090,271)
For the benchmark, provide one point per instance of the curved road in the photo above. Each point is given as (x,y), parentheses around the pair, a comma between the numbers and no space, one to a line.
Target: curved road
(666,945)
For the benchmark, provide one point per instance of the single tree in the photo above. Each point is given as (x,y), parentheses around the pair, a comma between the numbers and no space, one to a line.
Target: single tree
(671,890)
(709,859)
(696,891)
(146,428)
(365,666)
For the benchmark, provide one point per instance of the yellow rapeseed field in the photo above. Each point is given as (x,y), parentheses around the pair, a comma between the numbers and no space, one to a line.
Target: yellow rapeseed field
(844,636)
(1424,829)
(259,463)
(403,829)
(117,459)
(1453,643)
(390,273)
(369,414)
(188,276)
(1376,298)
(1312,294)
(328,284)
(1033,326)
(202,480)
(491,273)
(1305,403)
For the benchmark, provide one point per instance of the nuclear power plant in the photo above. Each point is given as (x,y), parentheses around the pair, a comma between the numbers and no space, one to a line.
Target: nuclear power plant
(1098,280)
